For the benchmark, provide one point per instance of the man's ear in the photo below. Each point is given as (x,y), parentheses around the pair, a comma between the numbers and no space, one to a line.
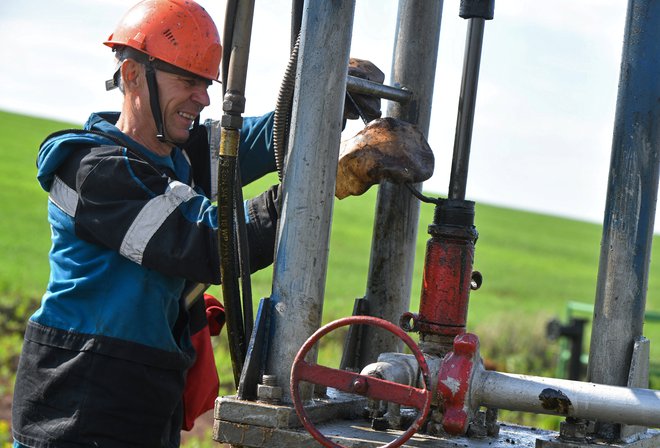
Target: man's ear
(131,72)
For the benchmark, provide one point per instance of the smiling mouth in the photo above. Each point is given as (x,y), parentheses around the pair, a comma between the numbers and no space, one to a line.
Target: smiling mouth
(187,116)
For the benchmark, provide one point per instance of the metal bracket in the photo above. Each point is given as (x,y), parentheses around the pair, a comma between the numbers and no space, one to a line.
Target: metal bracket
(256,353)
(638,376)
(350,359)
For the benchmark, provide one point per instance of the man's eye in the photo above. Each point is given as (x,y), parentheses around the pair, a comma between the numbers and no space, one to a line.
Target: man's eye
(195,82)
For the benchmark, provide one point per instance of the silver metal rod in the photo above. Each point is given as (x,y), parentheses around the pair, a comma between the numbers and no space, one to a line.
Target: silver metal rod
(309,183)
(364,86)
(631,201)
(568,398)
(397,211)
(240,52)
(466,108)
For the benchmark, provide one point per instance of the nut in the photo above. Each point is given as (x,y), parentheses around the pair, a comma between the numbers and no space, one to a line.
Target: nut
(269,394)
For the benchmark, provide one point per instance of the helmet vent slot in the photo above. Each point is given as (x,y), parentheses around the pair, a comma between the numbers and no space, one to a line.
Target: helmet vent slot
(168,34)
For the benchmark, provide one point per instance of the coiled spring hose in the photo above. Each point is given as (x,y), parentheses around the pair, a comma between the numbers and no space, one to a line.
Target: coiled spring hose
(282,118)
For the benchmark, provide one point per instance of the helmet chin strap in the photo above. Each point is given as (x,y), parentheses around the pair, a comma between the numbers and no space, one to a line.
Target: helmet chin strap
(152,85)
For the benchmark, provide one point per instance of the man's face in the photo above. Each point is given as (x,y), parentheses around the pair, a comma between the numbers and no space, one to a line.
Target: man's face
(182,98)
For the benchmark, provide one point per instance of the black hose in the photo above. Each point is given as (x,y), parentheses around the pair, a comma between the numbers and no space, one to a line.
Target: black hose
(231,225)
(227,252)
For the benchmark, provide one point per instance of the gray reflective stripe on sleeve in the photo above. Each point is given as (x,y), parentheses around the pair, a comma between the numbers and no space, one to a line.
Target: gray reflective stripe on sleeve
(151,217)
(214,131)
(215,156)
(63,196)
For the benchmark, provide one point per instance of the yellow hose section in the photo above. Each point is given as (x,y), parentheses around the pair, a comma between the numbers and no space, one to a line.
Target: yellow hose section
(229,141)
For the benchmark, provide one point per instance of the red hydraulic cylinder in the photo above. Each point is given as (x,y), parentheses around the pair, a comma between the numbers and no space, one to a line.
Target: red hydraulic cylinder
(446,286)
(448,271)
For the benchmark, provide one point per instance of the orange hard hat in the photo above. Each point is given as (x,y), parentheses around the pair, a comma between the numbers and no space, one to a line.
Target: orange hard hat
(179,32)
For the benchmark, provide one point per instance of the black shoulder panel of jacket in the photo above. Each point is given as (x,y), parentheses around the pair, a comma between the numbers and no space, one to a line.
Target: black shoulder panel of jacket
(110,197)
(198,151)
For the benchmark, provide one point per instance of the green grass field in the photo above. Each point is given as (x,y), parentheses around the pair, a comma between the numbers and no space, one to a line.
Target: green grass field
(532,265)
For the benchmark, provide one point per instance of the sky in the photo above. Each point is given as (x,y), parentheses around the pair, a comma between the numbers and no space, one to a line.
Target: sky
(545,106)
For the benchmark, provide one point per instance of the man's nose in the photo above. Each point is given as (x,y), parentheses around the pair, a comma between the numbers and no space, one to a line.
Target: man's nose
(201,97)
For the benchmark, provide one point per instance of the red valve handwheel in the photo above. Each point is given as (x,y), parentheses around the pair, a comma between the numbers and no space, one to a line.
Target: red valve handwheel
(364,385)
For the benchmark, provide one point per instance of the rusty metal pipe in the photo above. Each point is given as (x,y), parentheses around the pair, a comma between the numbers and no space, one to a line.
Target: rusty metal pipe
(553,396)
(366,87)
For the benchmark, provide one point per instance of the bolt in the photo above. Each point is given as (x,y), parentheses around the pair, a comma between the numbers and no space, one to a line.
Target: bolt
(434,424)
(492,427)
(360,385)
(269,380)
(484,424)
(477,426)
(574,429)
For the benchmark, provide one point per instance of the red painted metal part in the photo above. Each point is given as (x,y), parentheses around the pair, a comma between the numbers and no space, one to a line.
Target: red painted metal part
(454,379)
(367,386)
(443,306)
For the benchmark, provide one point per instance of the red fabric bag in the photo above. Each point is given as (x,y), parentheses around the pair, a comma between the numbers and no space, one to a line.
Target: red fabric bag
(202,383)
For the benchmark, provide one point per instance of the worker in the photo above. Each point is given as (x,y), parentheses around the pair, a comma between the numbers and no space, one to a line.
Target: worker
(106,355)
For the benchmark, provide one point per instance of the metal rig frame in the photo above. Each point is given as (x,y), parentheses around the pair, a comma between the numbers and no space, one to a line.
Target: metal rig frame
(613,407)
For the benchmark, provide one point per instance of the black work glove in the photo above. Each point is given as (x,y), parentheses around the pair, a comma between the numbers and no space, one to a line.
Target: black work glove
(368,105)
(263,214)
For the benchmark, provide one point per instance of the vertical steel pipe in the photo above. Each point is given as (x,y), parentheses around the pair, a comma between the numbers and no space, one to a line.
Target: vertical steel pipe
(397,211)
(631,200)
(309,183)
